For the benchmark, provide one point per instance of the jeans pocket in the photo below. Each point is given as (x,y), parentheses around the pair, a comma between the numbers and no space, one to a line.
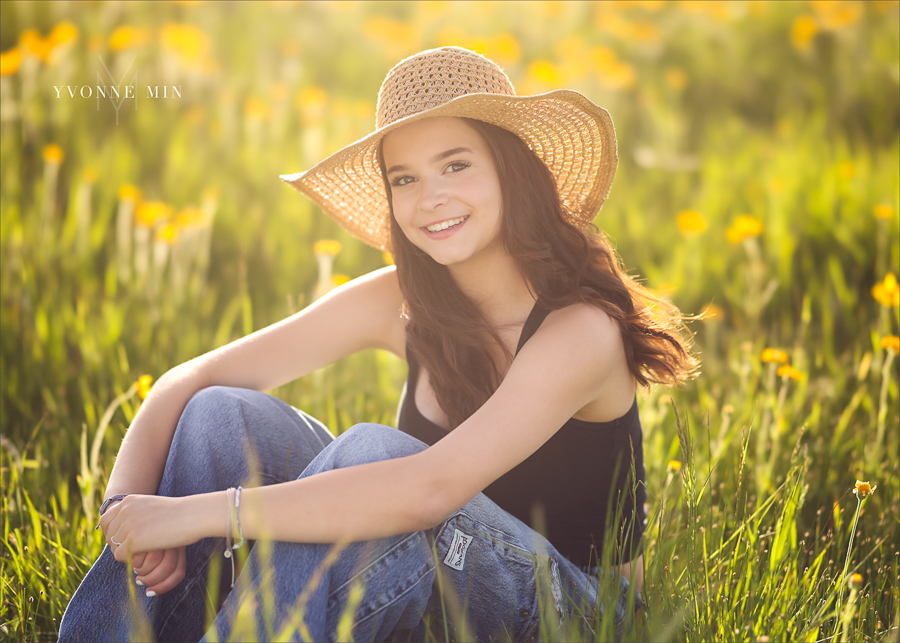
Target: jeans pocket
(487,581)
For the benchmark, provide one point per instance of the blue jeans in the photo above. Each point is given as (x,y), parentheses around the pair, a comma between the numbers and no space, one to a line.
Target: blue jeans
(479,575)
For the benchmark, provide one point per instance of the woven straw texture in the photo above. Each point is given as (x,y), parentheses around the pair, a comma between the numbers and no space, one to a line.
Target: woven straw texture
(574,137)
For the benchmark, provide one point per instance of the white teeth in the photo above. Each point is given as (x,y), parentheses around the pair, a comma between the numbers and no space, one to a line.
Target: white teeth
(446,224)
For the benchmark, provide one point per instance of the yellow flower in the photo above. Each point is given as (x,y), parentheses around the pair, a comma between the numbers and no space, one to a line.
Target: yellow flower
(883,211)
(339,280)
(64,32)
(128,192)
(645,32)
(10,61)
(691,222)
(127,36)
(774,355)
(89,175)
(862,489)
(255,108)
(789,371)
(856,581)
(544,72)
(31,42)
(744,226)
(836,14)
(189,217)
(803,30)
(312,102)
(388,258)
(327,247)
(167,233)
(887,292)
(189,42)
(143,386)
(712,311)
(847,170)
(676,78)
(674,465)
(53,154)
(891,343)
(149,213)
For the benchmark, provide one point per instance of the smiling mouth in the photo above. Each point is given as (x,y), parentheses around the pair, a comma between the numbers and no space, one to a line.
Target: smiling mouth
(445,225)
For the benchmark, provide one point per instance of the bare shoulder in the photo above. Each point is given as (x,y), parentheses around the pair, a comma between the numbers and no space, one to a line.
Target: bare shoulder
(379,292)
(594,340)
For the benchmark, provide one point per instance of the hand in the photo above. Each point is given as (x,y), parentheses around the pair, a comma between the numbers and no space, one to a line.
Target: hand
(161,570)
(144,523)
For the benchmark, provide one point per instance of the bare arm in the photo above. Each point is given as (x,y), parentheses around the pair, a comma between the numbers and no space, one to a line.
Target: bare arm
(361,314)
(550,380)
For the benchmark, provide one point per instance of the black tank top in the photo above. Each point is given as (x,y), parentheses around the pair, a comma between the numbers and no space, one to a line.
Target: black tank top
(577,477)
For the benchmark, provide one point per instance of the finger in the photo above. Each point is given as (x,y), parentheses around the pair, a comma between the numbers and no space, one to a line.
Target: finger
(121,552)
(163,570)
(137,560)
(151,560)
(171,581)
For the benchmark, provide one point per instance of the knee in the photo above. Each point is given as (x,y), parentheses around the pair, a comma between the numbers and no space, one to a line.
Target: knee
(365,443)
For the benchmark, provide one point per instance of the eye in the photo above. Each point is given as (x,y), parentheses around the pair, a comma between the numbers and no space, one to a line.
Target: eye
(458,166)
(400,181)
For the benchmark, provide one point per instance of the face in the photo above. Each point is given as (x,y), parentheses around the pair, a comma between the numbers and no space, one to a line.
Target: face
(444,189)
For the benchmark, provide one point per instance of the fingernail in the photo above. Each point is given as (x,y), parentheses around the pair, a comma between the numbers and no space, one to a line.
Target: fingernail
(139,582)
(150,593)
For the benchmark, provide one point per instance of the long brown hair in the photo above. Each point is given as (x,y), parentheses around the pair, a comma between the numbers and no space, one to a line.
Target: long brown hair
(563,264)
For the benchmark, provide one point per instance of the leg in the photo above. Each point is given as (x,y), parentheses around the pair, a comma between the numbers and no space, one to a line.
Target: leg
(300,590)
(225,437)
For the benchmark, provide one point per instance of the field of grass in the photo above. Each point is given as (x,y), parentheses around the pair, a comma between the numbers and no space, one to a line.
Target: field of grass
(759,183)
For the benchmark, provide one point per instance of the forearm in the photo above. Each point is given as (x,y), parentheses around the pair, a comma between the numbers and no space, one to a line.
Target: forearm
(350,504)
(142,457)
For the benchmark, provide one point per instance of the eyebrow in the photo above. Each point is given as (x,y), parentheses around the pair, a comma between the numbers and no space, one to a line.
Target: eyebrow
(435,159)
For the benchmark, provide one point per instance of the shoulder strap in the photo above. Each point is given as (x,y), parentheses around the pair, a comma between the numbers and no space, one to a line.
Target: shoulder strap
(534,321)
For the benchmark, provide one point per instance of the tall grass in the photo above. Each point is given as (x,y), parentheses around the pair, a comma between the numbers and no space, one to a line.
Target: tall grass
(785,112)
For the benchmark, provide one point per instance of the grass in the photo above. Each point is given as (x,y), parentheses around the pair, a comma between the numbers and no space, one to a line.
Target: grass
(726,111)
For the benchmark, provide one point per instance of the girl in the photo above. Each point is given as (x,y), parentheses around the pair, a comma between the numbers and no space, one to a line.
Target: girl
(519,442)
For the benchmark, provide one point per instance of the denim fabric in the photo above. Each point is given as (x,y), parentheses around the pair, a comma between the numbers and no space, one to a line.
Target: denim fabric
(480,575)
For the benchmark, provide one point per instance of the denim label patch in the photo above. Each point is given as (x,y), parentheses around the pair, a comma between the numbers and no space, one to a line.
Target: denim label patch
(456,557)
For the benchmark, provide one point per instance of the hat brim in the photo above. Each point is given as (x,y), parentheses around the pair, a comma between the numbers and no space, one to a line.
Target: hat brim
(574,137)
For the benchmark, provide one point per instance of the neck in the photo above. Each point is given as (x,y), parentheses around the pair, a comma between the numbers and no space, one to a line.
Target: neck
(496,286)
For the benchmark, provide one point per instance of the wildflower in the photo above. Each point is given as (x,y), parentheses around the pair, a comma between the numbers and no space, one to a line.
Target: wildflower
(255,108)
(327,247)
(789,371)
(691,222)
(674,466)
(312,101)
(887,292)
(744,226)
(836,15)
(863,489)
(847,170)
(149,213)
(10,61)
(129,193)
(544,72)
(63,33)
(803,30)
(711,311)
(883,211)
(339,280)
(89,175)
(126,37)
(774,355)
(388,258)
(856,581)
(31,42)
(144,385)
(891,343)
(676,78)
(189,42)
(53,154)
(167,233)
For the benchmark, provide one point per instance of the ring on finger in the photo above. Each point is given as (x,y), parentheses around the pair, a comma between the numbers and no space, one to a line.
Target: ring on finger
(113,540)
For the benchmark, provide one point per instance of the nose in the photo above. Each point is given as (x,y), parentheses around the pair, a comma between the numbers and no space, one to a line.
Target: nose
(432,194)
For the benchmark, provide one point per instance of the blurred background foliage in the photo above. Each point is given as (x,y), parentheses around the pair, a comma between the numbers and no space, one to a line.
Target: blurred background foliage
(758,184)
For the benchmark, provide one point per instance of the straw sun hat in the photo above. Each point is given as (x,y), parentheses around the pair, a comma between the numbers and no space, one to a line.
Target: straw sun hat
(573,136)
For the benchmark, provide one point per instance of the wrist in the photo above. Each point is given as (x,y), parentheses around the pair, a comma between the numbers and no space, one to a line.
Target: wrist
(206,513)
